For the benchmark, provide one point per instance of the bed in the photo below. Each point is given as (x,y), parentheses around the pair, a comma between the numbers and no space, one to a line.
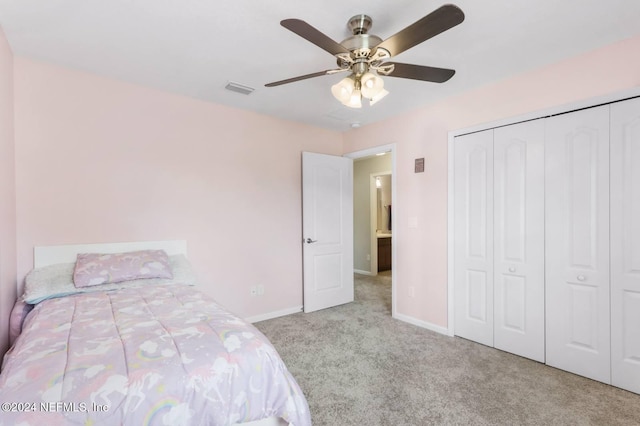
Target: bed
(153,351)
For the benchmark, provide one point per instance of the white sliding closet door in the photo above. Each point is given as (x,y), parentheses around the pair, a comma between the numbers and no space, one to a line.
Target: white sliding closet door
(519,239)
(625,245)
(577,243)
(473,236)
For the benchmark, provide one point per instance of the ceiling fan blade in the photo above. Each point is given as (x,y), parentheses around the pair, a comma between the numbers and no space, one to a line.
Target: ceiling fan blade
(303,77)
(420,72)
(439,20)
(311,34)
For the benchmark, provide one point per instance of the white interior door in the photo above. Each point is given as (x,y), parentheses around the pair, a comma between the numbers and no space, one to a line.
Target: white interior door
(518,247)
(327,230)
(577,243)
(473,236)
(625,245)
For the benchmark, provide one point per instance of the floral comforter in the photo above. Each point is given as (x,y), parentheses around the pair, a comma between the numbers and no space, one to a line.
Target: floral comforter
(158,355)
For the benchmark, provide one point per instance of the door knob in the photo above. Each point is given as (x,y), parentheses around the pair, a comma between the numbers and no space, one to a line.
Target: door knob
(512,269)
(581,278)
(309,241)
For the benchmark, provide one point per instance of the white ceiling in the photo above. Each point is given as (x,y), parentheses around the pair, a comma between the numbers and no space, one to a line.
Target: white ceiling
(195,47)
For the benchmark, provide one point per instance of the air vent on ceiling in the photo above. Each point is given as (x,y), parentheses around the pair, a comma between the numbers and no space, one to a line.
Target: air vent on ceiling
(344,114)
(239,88)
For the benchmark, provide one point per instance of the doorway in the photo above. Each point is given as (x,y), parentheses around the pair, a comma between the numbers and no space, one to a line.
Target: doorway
(381,228)
(372,214)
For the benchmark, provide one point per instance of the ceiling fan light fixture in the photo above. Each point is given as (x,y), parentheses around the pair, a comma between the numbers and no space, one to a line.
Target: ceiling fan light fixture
(350,90)
(344,89)
(371,84)
(378,96)
(355,101)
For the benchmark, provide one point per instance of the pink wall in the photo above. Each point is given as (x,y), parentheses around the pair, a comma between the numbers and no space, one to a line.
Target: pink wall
(7,193)
(422,252)
(99,160)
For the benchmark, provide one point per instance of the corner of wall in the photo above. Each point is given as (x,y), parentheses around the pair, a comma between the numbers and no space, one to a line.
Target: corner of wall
(8,259)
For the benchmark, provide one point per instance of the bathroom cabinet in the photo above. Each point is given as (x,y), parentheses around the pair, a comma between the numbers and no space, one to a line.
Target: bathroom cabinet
(384,254)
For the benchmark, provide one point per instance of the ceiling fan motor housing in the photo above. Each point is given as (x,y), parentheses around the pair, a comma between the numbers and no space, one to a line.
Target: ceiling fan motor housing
(360,44)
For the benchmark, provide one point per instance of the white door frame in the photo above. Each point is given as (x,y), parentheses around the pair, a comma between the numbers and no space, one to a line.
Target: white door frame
(394,202)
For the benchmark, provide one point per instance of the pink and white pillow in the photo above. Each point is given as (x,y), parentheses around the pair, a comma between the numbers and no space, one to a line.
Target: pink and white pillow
(57,280)
(99,268)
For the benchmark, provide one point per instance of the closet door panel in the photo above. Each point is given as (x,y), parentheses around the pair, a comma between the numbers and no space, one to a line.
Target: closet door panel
(519,239)
(473,237)
(625,245)
(577,243)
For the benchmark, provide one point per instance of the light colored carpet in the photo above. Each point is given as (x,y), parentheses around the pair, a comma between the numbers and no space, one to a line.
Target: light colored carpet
(358,366)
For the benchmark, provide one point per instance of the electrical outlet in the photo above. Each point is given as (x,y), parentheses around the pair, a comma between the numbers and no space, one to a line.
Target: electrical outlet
(412,292)
(368,257)
(253,291)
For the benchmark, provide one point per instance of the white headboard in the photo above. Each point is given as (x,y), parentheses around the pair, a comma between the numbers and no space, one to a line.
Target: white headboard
(49,255)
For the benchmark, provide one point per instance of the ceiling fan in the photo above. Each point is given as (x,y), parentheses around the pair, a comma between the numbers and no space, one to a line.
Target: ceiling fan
(365,55)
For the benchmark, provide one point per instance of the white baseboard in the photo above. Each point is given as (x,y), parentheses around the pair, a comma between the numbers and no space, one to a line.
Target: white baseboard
(424,324)
(361,272)
(275,314)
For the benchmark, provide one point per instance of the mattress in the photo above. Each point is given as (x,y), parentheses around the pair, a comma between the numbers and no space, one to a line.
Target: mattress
(154,355)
